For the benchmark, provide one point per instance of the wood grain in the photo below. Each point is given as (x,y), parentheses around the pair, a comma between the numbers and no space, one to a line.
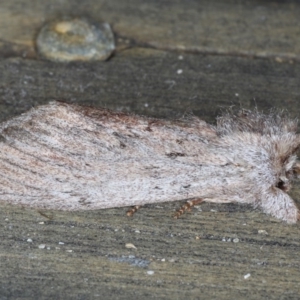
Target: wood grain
(191,257)
(146,82)
(235,27)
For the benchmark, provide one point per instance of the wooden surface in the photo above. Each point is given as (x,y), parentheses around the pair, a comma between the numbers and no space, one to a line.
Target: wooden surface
(206,253)
(235,27)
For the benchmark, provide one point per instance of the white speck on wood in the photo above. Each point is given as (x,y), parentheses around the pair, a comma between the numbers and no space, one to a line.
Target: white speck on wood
(130,246)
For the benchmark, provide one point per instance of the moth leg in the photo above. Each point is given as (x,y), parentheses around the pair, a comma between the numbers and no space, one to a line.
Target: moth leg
(133,210)
(187,206)
(45,215)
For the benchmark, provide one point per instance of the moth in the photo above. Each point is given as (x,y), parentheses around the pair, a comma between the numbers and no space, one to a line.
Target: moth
(69,157)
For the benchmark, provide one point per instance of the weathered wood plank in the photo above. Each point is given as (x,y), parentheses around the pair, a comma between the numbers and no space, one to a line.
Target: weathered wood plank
(147,82)
(195,256)
(191,257)
(183,265)
(236,27)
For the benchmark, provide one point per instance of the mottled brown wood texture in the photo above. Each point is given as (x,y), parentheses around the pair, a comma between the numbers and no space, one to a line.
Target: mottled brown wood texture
(242,53)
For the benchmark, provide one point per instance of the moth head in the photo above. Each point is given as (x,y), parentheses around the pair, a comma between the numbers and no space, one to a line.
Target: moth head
(276,132)
(290,170)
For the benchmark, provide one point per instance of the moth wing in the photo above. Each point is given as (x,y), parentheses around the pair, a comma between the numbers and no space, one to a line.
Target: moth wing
(67,157)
